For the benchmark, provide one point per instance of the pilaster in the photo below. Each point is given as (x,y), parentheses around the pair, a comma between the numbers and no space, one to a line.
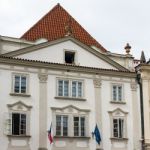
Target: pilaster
(98,108)
(146,104)
(42,111)
(136,116)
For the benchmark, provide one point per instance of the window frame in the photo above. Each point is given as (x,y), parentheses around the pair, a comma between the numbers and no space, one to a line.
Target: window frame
(79,126)
(13,84)
(118,114)
(61,125)
(117,100)
(70,51)
(70,86)
(20,124)
(120,135)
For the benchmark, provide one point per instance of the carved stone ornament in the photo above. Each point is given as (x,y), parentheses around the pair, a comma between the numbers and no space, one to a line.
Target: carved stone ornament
(97,83)
(43,77)
(133,86)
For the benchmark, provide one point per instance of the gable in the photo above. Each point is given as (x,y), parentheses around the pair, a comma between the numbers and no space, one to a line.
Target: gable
(84,56)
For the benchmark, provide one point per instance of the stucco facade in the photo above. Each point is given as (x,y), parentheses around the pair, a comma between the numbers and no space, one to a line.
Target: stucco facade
(44,66)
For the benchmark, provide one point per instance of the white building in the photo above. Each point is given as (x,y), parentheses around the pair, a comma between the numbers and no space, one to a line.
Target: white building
(71,84)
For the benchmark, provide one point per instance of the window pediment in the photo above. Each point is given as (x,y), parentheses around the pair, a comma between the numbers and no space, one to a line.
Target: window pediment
(118,112)
(69,109)
(19,106)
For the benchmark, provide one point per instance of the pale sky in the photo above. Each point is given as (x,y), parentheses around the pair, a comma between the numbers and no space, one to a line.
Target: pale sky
(113,23)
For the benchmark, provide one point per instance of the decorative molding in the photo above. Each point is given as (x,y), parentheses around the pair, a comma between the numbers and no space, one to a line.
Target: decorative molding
(43,77)
(69,107)
(19,94)
(19,104)
(118,102)
(70,98)
(64,67)
(133,86)
(97,83)
(117,110)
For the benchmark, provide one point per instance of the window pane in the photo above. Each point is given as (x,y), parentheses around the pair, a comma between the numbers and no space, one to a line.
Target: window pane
(65,125)
(120,128)
(23,84)
(119,93)
(58,125)
(115,128)
(17,84)
(74,83)
(15,123)
(66,88)
(82,126)
(23,124)
(114,93)
(60,88)
(76,126)
(79,89)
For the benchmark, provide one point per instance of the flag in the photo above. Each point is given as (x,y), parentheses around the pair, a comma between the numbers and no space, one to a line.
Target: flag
(97,135)
(50,136)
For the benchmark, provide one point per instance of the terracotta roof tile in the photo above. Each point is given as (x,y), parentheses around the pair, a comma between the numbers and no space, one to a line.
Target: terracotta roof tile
(53,26)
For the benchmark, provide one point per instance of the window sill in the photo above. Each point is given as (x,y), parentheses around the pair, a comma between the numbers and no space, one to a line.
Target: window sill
(118,102)
(70,98)
(19,94)
(19,136)
(73,137)
(119,139)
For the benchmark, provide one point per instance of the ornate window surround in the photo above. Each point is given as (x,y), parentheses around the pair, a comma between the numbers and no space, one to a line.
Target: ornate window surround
(71,111)
(116,114)
(18,107)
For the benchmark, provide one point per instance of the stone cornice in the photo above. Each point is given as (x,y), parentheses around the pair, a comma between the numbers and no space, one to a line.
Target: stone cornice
(65,67)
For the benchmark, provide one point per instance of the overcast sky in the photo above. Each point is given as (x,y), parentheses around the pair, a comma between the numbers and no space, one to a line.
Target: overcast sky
(111,22)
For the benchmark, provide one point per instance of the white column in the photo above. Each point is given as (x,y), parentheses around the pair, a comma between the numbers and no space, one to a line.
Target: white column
(98,108)
(136,117)
(42,111)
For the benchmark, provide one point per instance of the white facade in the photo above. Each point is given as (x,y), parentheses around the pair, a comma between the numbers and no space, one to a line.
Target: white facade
(106,93)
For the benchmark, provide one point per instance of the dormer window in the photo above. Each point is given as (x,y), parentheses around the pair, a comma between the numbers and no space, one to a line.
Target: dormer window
(69,57)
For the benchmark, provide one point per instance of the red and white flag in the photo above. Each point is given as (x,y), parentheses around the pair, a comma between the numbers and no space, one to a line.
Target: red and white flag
(50,135)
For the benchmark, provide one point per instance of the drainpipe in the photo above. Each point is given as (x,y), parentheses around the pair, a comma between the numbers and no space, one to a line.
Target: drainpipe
(139,80)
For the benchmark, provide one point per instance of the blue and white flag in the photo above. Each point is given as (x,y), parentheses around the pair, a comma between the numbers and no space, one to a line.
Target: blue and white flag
(97,135)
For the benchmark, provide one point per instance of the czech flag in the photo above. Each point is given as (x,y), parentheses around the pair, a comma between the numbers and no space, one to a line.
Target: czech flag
(50,135)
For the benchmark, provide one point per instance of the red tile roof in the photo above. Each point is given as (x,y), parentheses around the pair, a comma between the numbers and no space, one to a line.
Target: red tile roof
(53,26)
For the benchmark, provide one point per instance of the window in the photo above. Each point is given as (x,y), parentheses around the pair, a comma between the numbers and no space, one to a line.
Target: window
(70,121)
(17,119)
(61,125)
(18,124)
(15,123)
(117,93)
(69,57)
(19,84)
(76,89)
(79,126)
(118,128)
(63,88)
(118,122)
(70,88)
